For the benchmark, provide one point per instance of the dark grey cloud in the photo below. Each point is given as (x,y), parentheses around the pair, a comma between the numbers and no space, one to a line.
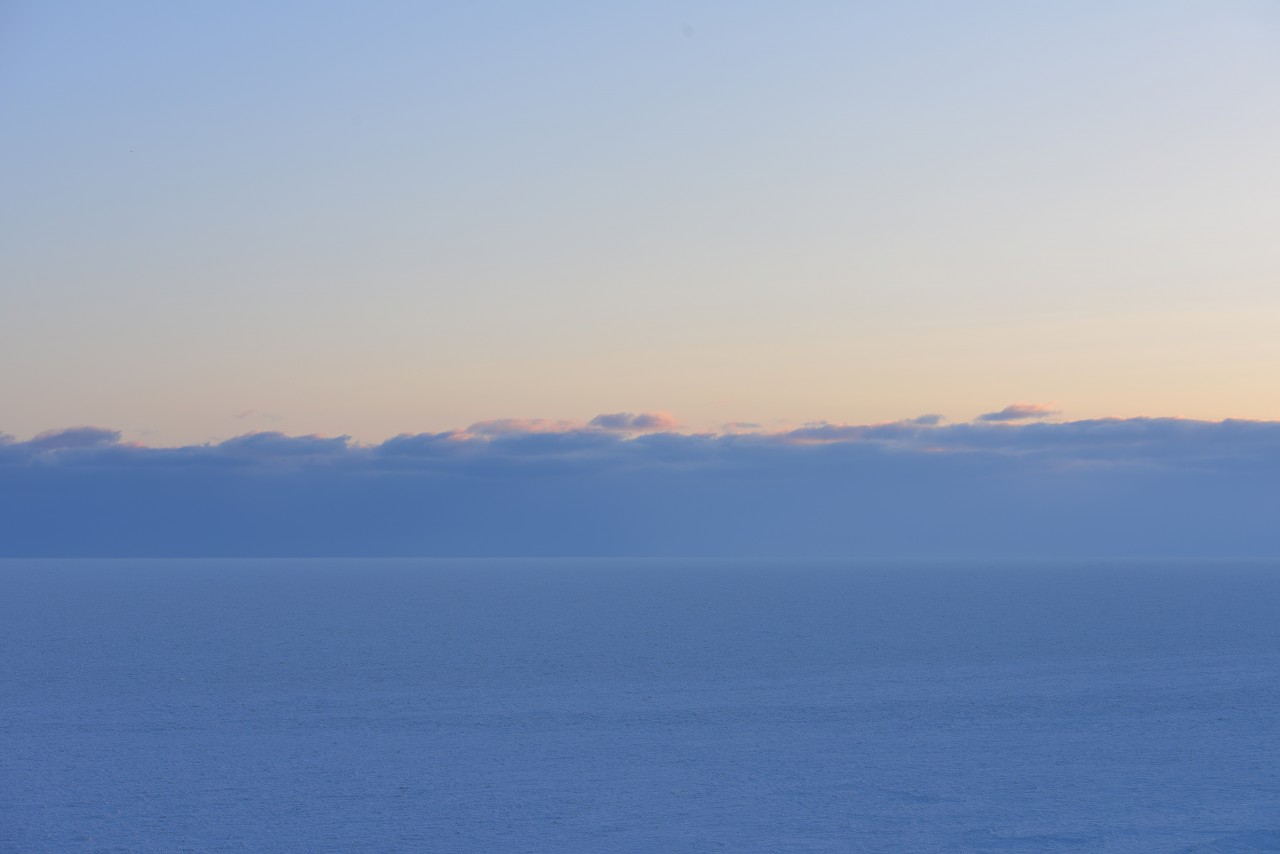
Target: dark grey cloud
(1020,412)
(1139,486)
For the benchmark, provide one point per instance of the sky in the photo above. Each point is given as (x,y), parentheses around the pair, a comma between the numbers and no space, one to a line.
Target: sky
(367,219)
(651,278)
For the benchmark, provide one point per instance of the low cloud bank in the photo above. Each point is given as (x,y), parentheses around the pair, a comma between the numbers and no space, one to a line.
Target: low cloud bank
(625,484)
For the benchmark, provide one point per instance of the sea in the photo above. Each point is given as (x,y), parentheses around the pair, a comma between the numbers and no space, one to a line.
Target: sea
(600,705)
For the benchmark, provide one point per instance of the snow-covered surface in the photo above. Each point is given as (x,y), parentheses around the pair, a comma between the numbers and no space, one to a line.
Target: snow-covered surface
(600,706)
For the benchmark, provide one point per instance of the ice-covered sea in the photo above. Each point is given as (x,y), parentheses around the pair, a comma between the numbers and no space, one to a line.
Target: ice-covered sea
(604,705)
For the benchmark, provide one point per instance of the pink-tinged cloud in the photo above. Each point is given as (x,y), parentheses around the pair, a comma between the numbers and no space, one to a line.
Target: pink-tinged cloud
(627,422)
(1020,412)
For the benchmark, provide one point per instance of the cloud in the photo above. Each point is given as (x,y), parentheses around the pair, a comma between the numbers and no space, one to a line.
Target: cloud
(891,431)
(269,445)
(510,426)
(1020,412)
(71,438)
(626,422)
(918,487)
(254,413)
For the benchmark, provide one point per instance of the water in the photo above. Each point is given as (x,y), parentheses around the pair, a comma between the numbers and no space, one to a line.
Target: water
(601,706)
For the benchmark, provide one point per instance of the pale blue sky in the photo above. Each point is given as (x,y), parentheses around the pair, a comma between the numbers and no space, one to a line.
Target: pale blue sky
(372,218)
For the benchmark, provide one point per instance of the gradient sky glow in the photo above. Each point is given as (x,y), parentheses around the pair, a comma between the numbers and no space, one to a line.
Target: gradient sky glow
(378,218)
